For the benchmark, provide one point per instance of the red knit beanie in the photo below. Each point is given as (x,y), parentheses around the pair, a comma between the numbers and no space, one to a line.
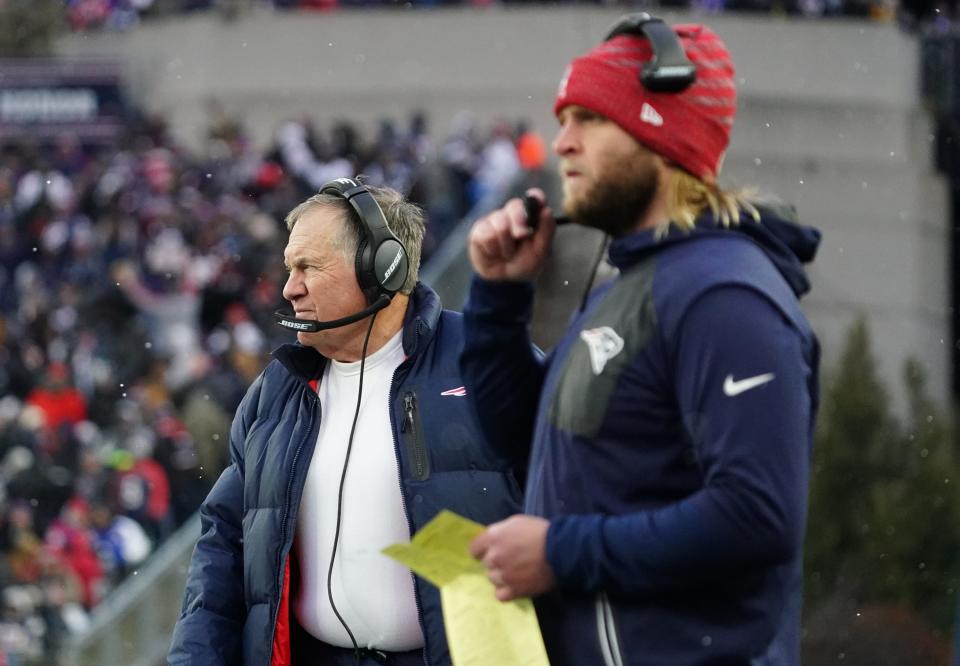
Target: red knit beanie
(691,128)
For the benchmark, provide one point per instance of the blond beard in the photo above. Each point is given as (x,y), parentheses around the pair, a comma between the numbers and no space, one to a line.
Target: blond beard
(618,198)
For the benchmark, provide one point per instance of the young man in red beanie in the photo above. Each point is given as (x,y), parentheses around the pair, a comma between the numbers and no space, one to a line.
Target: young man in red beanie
(668,434)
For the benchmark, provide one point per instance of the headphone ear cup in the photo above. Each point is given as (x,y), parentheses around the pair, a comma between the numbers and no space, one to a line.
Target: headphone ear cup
(390,266)
(363,267)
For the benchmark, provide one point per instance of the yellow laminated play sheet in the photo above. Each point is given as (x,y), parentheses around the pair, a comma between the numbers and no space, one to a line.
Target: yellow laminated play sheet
(481,631)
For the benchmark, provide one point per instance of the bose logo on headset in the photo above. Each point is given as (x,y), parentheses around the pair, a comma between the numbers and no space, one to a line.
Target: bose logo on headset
(296,325)
(393,265)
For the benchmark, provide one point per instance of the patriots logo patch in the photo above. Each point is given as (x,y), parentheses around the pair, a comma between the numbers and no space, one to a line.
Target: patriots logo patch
(604,344)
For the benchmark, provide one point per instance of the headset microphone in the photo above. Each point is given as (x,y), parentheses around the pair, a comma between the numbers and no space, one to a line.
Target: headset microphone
(532,207)
(311,326)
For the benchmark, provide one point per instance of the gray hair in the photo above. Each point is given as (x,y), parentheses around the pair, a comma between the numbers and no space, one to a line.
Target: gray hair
(404,219)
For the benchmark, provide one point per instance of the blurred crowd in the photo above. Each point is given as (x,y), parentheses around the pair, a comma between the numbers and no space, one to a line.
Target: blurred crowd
(137,283)
(122,14)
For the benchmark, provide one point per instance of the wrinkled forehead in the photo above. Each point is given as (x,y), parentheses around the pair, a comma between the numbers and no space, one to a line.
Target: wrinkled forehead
(317,234)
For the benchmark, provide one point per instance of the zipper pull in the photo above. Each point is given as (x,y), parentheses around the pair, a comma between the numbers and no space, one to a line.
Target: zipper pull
(409,405)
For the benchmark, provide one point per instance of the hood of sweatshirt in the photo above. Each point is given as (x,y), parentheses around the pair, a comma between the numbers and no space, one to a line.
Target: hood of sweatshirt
(788,244)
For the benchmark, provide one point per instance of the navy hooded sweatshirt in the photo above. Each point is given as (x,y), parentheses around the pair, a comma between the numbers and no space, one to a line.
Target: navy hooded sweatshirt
(668,438)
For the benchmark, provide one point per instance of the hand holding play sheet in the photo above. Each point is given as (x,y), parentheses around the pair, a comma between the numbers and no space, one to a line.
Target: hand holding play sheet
(481,631)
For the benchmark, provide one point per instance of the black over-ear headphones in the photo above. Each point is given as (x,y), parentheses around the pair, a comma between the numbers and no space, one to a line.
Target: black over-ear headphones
(669,70)
(381,260)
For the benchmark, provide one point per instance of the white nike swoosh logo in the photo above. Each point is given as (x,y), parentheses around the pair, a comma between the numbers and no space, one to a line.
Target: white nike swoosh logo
(732,388)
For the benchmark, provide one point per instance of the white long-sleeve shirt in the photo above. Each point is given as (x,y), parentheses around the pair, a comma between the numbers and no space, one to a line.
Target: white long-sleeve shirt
(373,593)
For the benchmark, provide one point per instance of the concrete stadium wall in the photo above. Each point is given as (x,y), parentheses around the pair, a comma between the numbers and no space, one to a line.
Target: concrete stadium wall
(830,120)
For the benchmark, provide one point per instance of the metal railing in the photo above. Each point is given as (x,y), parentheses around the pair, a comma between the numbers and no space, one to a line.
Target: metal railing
(132,626)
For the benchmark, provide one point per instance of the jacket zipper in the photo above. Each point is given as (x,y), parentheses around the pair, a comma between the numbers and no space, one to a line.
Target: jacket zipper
(286,513)
(408,415)
(607,632)
(411,427)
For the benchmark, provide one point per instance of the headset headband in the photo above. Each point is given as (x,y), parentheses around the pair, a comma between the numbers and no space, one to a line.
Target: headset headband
(669,70)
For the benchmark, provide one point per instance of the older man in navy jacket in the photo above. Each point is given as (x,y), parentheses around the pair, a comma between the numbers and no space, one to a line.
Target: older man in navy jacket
(348,441)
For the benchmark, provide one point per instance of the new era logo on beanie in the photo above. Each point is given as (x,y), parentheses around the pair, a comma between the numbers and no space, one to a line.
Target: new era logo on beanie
(691,128)
(648,114)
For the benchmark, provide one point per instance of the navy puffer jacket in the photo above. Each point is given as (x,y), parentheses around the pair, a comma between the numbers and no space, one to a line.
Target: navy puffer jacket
(236,605)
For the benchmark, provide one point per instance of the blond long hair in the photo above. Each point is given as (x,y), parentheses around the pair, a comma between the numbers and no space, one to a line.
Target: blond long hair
(688,197)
